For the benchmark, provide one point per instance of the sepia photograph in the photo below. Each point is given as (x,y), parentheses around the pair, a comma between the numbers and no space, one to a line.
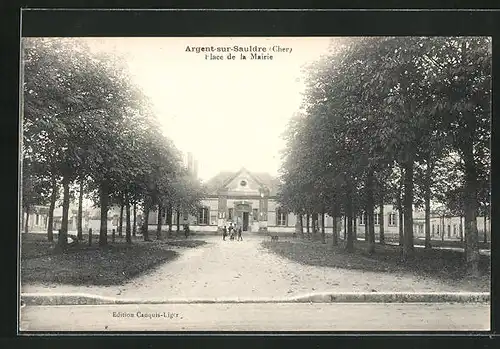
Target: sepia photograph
(307,183)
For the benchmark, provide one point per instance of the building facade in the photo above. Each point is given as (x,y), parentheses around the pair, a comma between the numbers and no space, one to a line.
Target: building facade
(244,198)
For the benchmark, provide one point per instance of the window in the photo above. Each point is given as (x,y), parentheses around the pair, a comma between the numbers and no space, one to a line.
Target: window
(376,218)
(255,214)
(362,219)
(185,216)
(203,215)
(37,218)
(454,229)
(281,217)
(433,230)
(243,183)
(449,230)
(437,229)
(392,219)
(230,215)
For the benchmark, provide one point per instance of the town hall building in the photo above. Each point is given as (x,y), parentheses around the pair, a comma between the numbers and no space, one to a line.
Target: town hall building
(245,198)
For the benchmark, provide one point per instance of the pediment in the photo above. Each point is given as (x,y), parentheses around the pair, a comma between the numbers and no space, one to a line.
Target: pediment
(243,182)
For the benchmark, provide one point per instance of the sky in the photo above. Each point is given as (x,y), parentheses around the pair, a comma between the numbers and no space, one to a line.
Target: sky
(228,113)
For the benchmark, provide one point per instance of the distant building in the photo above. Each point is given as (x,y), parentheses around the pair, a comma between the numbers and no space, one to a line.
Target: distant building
(39,218)
(245,198)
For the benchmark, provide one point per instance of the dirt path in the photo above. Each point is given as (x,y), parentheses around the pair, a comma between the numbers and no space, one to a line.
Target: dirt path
(235,269)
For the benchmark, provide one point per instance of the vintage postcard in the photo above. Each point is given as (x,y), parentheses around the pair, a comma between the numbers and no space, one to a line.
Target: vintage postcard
(255,184)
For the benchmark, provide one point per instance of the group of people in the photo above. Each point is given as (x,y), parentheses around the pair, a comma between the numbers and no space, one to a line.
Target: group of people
(232,231)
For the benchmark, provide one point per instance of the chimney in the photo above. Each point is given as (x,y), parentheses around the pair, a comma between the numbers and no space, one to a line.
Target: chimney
(190,162)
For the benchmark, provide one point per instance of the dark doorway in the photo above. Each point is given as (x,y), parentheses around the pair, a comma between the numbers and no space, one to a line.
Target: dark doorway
(245,221)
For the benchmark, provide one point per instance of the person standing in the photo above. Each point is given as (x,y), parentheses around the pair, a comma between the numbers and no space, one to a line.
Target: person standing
(239,234)
(224,233)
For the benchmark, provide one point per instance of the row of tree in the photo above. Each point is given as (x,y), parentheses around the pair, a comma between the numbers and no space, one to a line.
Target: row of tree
(89,129)
(401,120)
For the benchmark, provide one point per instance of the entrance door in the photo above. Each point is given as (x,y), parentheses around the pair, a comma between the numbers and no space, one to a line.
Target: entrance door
(245,221)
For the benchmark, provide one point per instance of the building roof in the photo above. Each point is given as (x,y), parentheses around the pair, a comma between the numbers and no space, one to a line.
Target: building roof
(223,178)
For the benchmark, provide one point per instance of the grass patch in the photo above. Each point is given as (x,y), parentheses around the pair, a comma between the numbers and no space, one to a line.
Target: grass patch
(445,265)
(82,264)
(90,265)
(36,245)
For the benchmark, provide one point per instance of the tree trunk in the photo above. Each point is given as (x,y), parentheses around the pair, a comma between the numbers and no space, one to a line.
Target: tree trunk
(128,236)
(355,227)
(62,238)
(323,237)
(314,224)
(80,213)
(104,198)
(484,226)
(350,235)
(159,223)
(301,222)
(350,241)
(381,222)
(26,223)
(371,231)
(400,207)
(427,199)
(307,225)
(400,225)
(145,225)
(427,202)
(369,224)
(345,227)
(53,198)
(365,218)
(178,219)
(134,227)
(471,233)
(169,218)
(120,223)
(335,240)
(408,208)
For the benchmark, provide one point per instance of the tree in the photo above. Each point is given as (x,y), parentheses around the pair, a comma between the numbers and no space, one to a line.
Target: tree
(464,91)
